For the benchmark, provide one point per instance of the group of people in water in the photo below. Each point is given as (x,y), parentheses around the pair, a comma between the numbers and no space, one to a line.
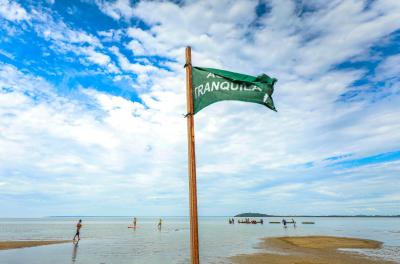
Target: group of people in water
(253,221)
(246,221)
(77,237)
(159,224)
(285,222)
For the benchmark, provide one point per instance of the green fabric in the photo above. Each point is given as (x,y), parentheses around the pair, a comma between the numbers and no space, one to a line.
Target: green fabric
(213,85)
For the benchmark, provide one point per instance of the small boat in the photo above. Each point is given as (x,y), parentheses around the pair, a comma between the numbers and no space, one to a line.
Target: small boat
(273,222)
(308,223)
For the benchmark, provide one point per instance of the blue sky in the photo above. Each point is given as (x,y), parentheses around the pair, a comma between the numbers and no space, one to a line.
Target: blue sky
(92,94)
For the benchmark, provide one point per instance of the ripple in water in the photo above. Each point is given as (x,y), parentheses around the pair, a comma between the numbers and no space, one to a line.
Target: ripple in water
(390,253)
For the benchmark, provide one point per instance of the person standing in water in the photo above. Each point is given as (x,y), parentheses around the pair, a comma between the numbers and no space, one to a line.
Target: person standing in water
(159,224)
(78,228)
(134,222)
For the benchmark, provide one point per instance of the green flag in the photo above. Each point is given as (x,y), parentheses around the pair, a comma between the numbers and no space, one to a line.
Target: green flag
(213,85)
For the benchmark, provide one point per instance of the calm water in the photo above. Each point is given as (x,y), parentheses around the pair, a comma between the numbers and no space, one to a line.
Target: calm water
(108,240)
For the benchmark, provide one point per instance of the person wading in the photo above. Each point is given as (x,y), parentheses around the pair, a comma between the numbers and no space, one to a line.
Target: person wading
(78,228)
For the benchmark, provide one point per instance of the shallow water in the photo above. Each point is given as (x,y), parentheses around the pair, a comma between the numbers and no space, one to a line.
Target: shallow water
(108,240)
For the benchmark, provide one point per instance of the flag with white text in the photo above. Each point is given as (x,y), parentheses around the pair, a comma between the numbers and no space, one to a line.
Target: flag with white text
(213,85)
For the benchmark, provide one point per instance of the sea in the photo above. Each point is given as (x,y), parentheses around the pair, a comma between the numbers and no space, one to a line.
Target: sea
(106,240)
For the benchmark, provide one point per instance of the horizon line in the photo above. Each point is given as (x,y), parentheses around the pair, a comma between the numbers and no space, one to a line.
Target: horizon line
(90,216)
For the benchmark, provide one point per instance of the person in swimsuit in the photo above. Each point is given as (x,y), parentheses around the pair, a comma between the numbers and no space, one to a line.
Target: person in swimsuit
(78,228)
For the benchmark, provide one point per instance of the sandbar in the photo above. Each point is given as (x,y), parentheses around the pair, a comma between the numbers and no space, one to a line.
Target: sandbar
(311,250)
(29,243)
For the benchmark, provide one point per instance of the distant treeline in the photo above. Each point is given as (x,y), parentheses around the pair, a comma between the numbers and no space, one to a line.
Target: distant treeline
(252,215)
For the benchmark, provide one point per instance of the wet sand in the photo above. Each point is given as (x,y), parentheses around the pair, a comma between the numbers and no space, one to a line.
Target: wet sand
(311,250)
(31,243)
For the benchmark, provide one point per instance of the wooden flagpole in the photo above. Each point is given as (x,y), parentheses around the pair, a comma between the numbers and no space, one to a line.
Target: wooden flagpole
(194,230)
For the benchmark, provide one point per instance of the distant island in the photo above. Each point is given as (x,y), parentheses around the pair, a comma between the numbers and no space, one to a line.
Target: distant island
(252,215)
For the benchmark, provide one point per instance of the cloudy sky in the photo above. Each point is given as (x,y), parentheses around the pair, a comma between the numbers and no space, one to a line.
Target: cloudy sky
(92,94)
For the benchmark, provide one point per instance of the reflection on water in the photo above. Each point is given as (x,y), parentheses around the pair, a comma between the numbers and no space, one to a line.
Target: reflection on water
(74,252)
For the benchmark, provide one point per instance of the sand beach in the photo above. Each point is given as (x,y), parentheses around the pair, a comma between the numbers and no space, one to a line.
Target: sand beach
(31,243)
(310,250)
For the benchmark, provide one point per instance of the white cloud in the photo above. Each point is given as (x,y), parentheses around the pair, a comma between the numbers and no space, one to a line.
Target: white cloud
(118,144)
(60,32)
(112,35)
(138,149)
(96,57)
(311,124)
(358,30)
(389,68)
(136,47)
(12,11)
(7,54)
(64,39)
(136,68)
(116,9)
(306,45)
